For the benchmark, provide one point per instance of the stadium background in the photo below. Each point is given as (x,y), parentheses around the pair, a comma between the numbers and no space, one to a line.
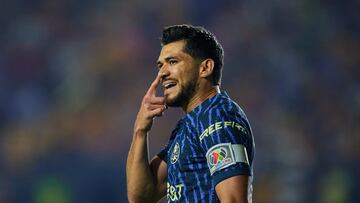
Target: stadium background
(72,74)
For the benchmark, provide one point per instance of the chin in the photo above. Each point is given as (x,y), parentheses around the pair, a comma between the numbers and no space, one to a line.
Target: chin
(172,101)
(177,100)
(181,97)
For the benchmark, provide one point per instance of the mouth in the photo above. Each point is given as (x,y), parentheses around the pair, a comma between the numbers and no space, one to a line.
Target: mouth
(168,84)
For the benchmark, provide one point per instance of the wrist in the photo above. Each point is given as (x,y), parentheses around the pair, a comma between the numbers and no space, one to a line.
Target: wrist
(140,132)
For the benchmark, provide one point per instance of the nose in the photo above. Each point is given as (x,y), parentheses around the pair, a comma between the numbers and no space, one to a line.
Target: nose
(164,72)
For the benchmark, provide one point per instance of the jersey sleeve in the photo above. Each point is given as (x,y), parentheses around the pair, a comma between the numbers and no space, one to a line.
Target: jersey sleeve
(164,153)
(226,139)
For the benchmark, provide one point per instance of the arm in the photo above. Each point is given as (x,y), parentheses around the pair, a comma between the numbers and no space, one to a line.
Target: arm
(145,182)
(233,190)
(229,153)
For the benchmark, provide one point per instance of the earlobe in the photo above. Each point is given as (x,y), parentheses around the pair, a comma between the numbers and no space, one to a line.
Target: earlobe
(206,68)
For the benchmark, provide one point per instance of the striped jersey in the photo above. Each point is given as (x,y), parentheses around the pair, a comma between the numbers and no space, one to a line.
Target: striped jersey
(211,143)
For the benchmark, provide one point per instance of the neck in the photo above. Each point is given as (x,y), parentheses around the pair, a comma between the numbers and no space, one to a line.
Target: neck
(200,97)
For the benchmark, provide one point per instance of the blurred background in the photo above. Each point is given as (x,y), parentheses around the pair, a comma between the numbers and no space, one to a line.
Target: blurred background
(73,73)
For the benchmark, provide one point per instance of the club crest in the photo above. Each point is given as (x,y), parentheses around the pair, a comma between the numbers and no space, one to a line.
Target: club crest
(175,153)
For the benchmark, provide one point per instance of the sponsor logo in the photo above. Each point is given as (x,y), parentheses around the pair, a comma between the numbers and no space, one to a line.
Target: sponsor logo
(174,192)
(220,125)
(219,157)
(175,153)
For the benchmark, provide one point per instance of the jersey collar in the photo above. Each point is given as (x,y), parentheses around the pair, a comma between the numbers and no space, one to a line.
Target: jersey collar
(207,103)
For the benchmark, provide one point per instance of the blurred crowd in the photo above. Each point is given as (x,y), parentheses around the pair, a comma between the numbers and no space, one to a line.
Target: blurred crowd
(73,73)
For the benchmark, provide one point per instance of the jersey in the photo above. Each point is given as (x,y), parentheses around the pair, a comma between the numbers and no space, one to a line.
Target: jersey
(211,143)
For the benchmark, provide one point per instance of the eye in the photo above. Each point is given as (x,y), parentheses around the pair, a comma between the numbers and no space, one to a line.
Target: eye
(172,62)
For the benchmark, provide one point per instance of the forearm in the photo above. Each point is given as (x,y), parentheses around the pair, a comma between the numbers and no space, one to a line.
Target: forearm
(140,183)
(233,189)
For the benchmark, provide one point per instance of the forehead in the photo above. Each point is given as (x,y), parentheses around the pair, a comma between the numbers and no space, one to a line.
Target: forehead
(172,49)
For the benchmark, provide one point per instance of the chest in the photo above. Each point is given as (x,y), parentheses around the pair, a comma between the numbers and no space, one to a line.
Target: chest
(185,155)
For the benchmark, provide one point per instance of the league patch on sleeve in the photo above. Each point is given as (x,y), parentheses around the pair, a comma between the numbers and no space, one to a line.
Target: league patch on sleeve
(219,157)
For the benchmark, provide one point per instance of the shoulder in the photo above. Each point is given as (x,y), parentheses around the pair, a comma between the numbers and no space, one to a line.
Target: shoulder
(224,113)
(223,106)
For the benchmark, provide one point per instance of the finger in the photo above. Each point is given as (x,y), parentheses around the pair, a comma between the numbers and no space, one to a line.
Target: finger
(156,106)
(154,85)
(157,100)
(153,100)
(157,112)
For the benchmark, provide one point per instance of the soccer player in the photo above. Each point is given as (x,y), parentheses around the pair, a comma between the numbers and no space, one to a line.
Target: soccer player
(210,152)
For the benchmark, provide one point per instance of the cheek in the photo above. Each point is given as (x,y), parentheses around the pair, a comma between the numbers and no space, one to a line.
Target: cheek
(191,76)
(185,74)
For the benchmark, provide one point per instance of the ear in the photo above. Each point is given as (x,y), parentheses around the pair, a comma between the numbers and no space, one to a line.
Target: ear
(206,68)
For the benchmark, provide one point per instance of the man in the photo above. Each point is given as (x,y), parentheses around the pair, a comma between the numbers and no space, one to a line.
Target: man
(210,152)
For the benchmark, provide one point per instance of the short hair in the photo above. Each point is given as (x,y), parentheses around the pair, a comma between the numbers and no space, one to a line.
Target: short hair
(200,44)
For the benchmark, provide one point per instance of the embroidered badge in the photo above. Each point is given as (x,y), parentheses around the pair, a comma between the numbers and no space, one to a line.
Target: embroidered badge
(175,153)
(219,157)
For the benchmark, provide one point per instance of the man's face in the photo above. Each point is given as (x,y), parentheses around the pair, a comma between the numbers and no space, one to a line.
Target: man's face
(179,74)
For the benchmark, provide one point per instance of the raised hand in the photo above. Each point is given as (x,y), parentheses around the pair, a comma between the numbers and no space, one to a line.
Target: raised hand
(151,106)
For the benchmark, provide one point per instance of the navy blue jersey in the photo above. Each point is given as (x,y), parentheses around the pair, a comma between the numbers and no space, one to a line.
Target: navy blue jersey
(210,144)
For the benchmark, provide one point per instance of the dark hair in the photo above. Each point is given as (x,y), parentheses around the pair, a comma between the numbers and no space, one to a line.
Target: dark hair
(200,44)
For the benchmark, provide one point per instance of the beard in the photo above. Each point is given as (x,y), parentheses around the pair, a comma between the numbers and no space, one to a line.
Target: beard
(184,95)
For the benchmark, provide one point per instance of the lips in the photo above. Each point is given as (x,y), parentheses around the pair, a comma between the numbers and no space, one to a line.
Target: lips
(168,84)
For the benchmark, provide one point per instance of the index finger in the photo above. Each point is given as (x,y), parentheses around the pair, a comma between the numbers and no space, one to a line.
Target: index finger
(154,85)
